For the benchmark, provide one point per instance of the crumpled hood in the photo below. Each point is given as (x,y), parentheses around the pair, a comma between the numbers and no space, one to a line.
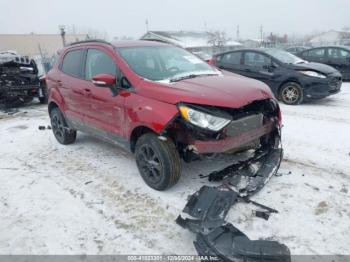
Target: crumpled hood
(228,90)
(321,68)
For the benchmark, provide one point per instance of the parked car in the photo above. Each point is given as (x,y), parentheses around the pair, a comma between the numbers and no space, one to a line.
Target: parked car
(335,56)
(296,49)
(20,81)
(202,55)
(160,102)
(290,78)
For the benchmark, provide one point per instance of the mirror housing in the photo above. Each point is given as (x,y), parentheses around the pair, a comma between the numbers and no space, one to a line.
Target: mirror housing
(104,80)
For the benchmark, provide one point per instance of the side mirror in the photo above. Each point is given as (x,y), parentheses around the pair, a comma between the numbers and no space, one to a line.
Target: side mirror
(104,80)
(270,67)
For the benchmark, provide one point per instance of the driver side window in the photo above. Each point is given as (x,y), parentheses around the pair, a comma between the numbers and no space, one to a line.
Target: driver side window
(98,62)
(257,60)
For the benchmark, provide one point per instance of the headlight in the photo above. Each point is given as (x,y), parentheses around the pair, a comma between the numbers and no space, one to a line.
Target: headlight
(313,74)
(203,120)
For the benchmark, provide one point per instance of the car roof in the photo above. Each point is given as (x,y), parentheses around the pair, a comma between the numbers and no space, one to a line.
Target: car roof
(331,46)
(134,43)
(118,44)
(262,50)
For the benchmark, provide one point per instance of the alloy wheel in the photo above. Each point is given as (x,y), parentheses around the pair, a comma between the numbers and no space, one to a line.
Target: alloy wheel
(290,94)
(150,164)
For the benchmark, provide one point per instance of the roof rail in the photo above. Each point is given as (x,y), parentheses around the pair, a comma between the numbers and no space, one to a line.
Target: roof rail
(90,41)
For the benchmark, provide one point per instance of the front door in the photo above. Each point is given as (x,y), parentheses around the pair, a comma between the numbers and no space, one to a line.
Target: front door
(105,115)
(258,66)
(317,55)
(339,59)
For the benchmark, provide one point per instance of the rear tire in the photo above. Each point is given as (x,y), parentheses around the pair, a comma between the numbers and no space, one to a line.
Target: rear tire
(158,161)
(291,93)
(60,129)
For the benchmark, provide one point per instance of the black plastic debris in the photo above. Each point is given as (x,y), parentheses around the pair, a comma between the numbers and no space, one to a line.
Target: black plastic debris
(262,214)
(248,177)
(229,244)
(207,209)
(44,127)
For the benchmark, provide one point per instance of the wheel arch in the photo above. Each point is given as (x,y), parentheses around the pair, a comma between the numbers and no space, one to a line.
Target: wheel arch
(136,133)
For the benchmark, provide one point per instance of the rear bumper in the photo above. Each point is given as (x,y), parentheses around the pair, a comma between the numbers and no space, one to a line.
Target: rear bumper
(229,143)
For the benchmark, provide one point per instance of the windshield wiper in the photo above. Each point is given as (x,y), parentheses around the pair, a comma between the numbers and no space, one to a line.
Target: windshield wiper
(176,79)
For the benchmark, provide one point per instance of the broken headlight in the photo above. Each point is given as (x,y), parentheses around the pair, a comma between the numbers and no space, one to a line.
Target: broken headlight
(202,119)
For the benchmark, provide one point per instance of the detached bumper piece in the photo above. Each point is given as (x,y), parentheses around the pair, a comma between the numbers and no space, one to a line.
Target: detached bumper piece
(208,208)
(247,177)
(230,244)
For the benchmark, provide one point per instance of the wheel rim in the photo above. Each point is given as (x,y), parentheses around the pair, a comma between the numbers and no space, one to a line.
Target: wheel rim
(149,164)
(57,126)
(290,94)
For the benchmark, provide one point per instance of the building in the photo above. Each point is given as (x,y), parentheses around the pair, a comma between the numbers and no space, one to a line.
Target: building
(193,41)
(36,44)
(331,37)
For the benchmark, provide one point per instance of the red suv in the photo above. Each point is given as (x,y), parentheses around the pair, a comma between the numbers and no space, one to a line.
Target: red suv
(160,102)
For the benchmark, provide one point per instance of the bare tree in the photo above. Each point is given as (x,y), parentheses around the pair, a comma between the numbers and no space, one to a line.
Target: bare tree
(218,38)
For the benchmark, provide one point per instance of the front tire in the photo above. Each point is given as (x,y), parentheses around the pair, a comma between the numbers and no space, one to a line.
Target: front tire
(60,129)
(158,161)
(291,93)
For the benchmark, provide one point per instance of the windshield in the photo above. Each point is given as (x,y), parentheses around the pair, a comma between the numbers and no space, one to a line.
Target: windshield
(284,56)
(160,63)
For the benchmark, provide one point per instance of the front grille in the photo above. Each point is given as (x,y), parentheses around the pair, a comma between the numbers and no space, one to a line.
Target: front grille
(244,124)
(335,82)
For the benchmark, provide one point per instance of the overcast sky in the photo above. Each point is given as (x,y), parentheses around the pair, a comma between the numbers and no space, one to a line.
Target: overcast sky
(127,17)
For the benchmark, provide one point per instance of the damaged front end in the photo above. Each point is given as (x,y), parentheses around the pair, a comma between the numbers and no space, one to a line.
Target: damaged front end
(254,129)
(19,81)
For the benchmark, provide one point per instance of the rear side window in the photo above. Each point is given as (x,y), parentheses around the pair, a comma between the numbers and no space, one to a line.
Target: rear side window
(98,62)
(338,53)
(316,52)
(232,58)
(72,62)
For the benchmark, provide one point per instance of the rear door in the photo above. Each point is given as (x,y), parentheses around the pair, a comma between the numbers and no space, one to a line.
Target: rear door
(230,61)
(317,55)
(105,111)
(339,58)
(258,66)
(71,85)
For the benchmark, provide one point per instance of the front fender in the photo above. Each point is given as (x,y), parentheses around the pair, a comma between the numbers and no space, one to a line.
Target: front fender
(146,112)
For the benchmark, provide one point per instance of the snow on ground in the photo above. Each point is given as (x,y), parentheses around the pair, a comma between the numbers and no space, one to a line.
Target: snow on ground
(88,198)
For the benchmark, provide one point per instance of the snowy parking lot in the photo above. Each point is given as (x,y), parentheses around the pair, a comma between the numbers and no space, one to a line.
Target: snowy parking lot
(88,197)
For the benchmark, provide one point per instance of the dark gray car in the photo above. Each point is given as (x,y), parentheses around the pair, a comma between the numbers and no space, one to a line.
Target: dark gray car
(335,56)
